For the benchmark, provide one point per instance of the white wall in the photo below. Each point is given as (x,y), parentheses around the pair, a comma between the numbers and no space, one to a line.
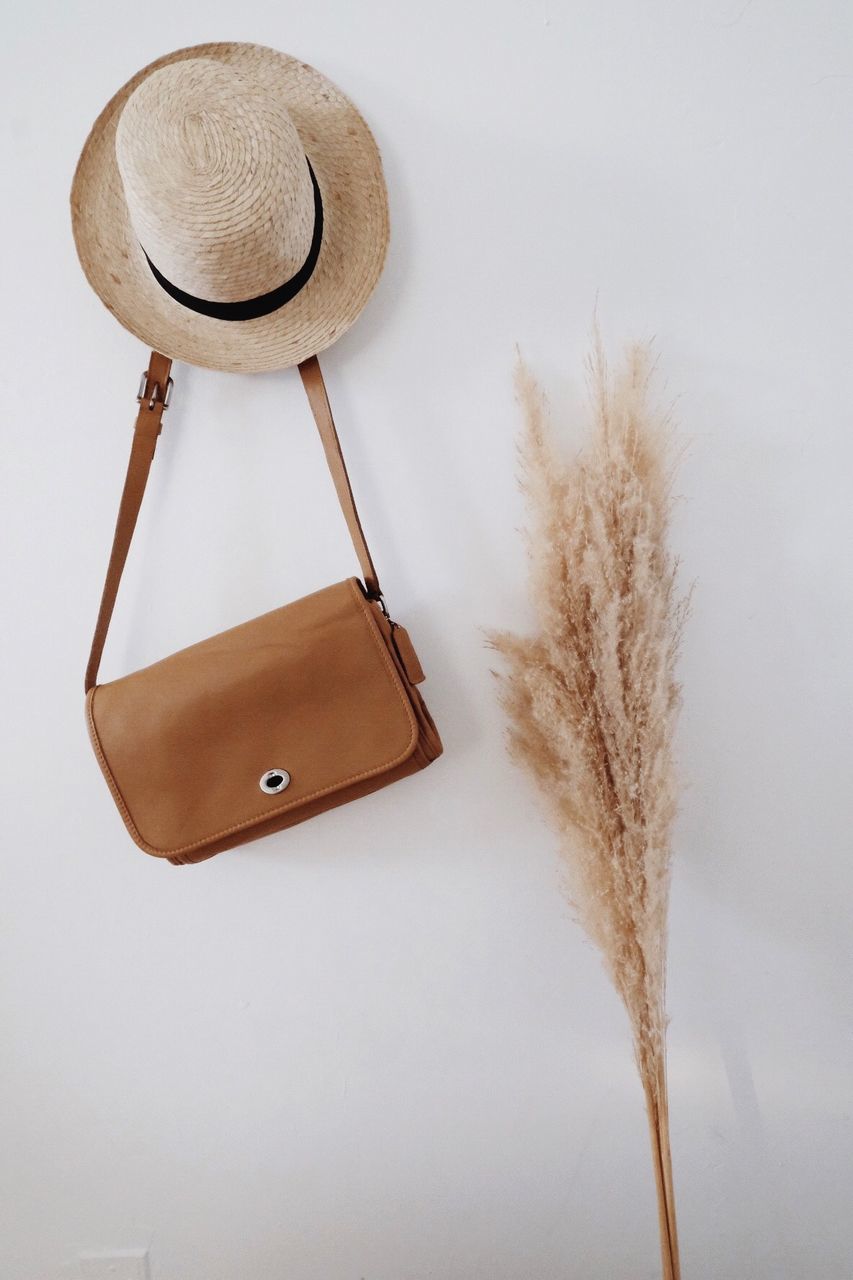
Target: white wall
(376,1046)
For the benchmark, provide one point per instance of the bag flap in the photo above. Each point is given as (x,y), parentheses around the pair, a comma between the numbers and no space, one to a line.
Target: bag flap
(309,690)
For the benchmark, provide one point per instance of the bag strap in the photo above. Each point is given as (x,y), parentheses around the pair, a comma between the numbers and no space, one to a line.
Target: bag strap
(154,394)
(315,389)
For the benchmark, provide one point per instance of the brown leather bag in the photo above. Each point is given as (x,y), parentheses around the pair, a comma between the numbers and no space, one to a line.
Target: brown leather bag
(270,723)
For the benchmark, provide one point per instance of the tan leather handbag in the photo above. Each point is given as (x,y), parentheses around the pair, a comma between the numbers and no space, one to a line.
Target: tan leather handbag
(272,722)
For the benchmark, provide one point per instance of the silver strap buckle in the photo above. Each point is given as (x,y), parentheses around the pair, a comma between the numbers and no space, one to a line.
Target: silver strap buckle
(154,395)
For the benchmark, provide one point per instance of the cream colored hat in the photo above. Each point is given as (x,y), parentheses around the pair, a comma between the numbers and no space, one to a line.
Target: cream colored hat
(229,208)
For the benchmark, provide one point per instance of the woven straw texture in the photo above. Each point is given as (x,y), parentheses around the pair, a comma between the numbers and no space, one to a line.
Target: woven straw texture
(238,223)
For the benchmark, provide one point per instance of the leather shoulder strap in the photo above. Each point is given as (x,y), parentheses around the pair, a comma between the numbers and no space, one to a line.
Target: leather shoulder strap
(153,397)
(315,389)
(153,400)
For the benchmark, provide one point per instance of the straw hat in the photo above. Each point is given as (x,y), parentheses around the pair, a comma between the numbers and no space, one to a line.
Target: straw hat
(229,208)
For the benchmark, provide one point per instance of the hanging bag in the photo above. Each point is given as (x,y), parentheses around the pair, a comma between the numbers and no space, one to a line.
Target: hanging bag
(271,722)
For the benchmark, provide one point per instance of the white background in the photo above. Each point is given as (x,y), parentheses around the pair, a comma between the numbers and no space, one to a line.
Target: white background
(376,1046)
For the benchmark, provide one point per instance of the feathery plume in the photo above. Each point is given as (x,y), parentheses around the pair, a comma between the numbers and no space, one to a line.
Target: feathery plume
(592,699)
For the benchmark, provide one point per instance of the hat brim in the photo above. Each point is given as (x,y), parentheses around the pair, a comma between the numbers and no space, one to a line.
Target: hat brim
(346,161)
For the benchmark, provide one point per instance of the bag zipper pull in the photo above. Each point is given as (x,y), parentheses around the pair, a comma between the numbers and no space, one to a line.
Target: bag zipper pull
(406,653)
(402,643)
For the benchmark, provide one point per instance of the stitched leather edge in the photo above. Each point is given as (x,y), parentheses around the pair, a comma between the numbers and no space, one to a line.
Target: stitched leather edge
(397,685)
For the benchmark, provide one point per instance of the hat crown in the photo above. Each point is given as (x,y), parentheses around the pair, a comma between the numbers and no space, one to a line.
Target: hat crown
(218,190)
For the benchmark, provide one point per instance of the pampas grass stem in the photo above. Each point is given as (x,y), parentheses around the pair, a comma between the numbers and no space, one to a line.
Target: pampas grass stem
(592,699)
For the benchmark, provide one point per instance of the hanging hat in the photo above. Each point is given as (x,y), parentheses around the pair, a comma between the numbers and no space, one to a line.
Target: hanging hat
(229,208)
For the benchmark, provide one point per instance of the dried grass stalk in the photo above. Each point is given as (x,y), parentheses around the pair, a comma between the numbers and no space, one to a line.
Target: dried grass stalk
(592,697)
